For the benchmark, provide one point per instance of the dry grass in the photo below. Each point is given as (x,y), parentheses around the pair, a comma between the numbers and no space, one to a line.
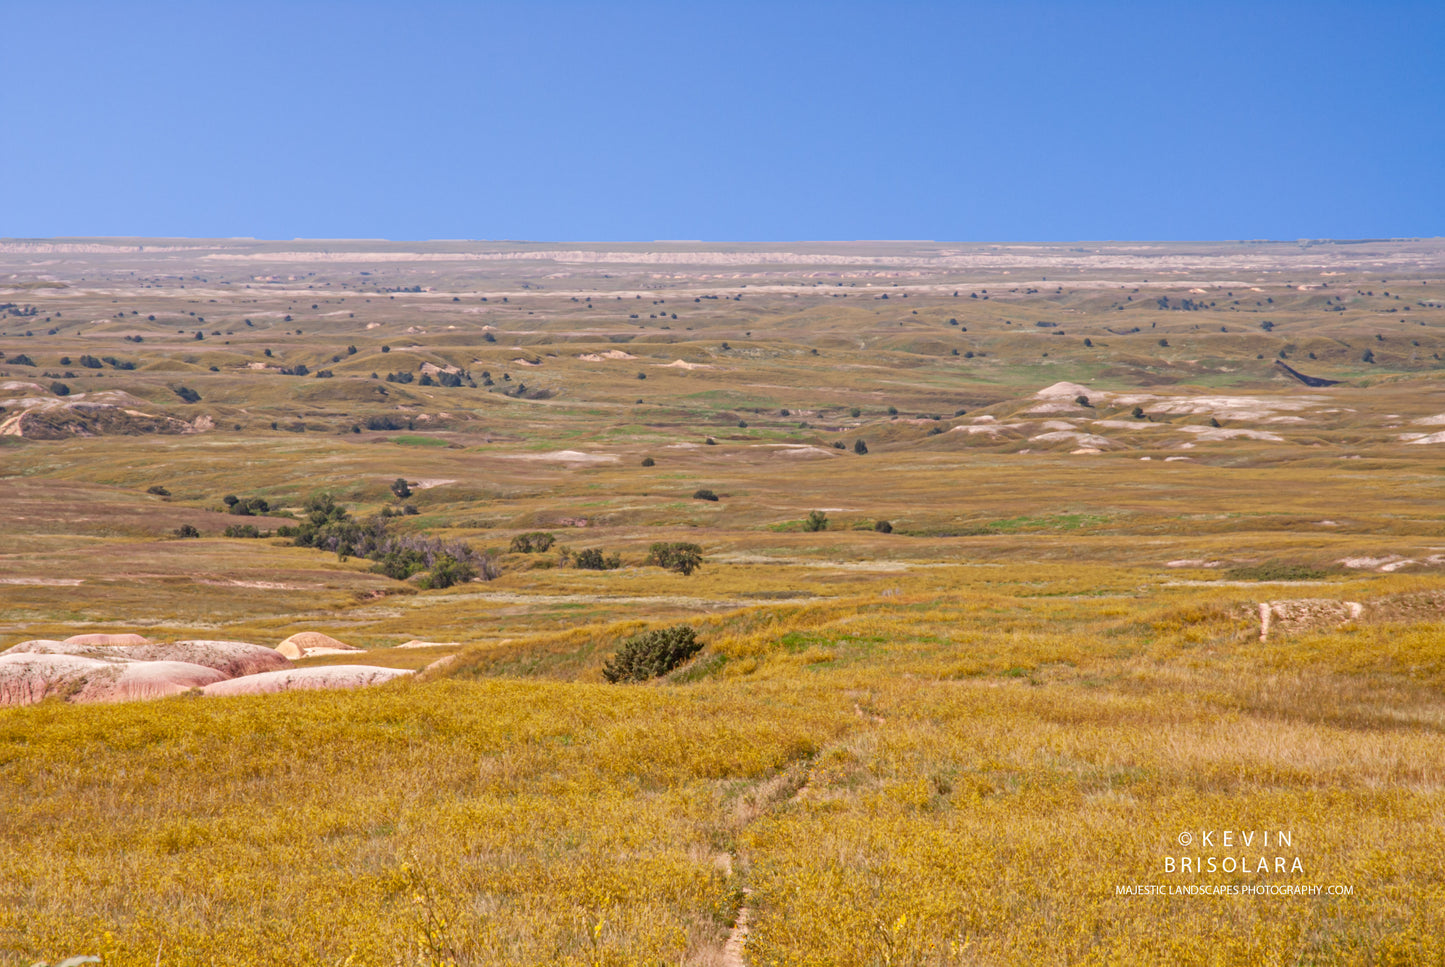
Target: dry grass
(944,745)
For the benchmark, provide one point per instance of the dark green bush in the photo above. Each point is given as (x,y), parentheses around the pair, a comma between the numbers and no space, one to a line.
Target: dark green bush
(651,654)
(679,556)
(592,559)
(399,564)
(1275,571)
(531,541)
(883,527)
(446,572)
(187,530)
(704,494)
(816,521)
(244,530)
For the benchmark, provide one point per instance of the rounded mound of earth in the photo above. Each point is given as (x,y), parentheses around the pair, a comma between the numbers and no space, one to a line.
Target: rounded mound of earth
(124,681)
(28,678)
(103,639)
(234,658)
(37,646)
(231,658)
(305,643)
(43,646)
(302,679)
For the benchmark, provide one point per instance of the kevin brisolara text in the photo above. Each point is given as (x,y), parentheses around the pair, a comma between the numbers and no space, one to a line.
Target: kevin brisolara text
(1230,889)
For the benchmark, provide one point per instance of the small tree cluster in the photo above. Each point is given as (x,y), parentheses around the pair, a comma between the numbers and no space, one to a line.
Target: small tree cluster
(532,542)
(247,506)
(815,521)
(447,571)
(244,530)
(592,559)
(329,527)
(651,654)
(679,556)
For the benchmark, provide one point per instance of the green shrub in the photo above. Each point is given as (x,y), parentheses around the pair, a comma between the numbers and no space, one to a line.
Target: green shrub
(679,556)
(247,507)
(649,462)
(532,541)
(704,494)
(400,564)
(860,447)
(592,559)
(400,488)
(816,521)
(446,572)
(1275,571)
(158,490)
(187,530)
(651,654)
(244,530)
(883,527)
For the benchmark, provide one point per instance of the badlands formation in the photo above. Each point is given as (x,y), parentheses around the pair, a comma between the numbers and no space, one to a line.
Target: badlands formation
(123,667)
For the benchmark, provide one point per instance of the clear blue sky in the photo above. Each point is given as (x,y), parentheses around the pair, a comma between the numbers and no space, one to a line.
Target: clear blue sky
(726,121)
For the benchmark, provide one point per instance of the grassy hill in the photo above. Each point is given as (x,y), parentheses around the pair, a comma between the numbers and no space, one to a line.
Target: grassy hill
(947,741)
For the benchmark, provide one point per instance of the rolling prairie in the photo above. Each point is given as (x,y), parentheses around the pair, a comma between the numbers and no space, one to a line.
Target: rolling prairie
(1120,541)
